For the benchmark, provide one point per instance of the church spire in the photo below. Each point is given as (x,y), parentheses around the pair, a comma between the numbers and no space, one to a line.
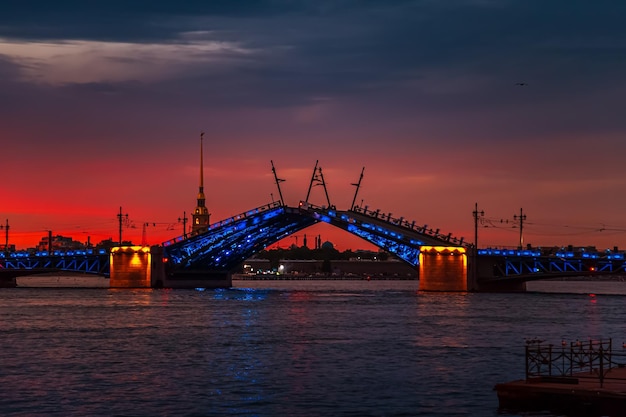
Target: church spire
(201,215)
(201,166)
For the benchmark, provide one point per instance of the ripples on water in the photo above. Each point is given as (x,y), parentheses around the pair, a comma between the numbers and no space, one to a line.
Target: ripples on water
(338,348)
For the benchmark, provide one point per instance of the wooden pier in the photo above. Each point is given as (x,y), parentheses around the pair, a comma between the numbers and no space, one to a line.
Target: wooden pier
(580,379)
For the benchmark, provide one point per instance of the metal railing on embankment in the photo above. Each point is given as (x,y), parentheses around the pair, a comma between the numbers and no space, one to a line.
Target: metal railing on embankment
(569,362)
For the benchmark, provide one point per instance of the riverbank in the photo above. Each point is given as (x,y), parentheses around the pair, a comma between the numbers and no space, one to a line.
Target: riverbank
(321,277)
(62,280)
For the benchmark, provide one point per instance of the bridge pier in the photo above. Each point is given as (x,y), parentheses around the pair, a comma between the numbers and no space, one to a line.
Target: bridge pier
(132,267)
(443,268)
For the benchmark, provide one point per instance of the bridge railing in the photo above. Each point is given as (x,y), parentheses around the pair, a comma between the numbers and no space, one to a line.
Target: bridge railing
(572,361)
(402,222)
(228,221)
(28,254)
(554,254)
(509,252)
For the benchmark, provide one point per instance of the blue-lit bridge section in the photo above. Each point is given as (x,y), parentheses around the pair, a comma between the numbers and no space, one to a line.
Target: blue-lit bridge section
(397,236)
(220,250)
(499,266)
(228,243)
(83,261)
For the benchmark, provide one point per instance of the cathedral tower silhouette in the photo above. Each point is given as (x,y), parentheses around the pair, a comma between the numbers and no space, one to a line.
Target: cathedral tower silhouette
(201,215)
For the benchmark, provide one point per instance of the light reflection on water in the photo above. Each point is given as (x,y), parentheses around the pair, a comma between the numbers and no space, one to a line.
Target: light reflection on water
(299,348)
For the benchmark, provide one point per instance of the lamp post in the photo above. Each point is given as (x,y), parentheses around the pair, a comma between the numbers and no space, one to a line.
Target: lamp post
(477,214)
(521,219)
(121,218)
(6,235)
(183,220)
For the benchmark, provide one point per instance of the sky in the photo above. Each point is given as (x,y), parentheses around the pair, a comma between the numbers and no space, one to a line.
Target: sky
(514,105)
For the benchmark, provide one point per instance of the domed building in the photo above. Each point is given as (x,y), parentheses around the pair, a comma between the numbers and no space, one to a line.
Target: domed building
(328,245)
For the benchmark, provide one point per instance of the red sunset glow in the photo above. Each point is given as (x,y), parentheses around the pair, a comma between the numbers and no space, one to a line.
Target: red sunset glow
(427,103)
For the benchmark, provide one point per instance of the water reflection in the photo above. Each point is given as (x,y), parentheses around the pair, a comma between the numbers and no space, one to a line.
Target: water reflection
(357,348)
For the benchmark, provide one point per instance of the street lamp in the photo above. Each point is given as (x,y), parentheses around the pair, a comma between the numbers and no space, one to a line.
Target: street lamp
(6,235)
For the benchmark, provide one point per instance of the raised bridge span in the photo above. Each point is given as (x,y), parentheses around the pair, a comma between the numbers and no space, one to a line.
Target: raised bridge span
(442,262)
(228,243)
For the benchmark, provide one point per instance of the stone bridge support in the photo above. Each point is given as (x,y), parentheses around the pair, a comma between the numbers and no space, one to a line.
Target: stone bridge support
(443,268)
(131,267)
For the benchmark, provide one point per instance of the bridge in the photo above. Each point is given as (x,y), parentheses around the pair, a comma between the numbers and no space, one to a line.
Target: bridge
(442,262)
(209,256)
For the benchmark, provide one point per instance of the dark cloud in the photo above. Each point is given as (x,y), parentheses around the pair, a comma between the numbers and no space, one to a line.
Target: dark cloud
(138,20)
(437,58)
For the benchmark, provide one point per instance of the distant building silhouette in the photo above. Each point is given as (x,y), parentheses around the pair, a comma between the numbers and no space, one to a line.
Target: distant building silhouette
(5,248)
(58,243)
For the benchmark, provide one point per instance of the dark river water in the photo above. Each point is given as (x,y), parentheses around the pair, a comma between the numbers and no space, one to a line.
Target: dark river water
(282,348)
